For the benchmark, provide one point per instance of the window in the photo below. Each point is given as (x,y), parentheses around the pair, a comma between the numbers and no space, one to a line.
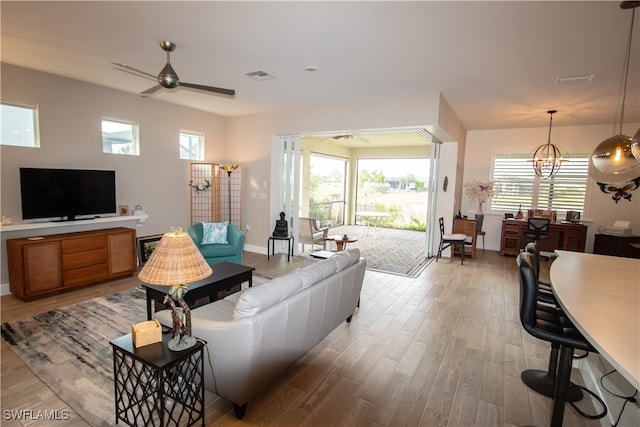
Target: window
(191,145)
(19,124)
(518,185)
(120,137)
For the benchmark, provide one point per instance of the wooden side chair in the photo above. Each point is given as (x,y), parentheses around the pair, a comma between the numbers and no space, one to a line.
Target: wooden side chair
(309,233)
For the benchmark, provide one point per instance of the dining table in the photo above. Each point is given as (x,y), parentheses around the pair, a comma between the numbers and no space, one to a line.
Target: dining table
(601,296)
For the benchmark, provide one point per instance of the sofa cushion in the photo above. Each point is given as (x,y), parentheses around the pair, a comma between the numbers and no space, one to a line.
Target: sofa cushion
(259,298)
(346,258)
(317,271)
(214,233)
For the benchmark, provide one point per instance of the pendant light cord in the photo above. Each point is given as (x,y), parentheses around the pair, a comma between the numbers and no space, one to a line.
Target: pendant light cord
(626,68)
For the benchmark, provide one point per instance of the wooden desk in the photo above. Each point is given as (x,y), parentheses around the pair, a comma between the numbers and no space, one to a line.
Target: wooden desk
(467,227)
(601,296)
(569,237)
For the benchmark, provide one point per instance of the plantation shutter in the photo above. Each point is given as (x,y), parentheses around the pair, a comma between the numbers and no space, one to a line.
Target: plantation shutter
(567,189)
(517,184)
(514,181)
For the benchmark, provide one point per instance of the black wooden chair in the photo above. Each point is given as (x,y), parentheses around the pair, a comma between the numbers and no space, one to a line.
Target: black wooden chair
(447,240)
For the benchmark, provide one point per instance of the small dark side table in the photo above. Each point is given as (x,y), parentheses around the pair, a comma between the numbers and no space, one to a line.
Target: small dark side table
(290,245)
(157,386)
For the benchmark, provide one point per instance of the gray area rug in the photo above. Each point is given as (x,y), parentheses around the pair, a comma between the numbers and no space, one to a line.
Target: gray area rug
(68,348)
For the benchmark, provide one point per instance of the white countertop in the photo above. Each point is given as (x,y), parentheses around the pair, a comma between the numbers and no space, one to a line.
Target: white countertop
(601,296)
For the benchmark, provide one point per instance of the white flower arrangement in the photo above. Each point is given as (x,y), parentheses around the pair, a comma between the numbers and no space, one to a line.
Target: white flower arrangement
(478,191)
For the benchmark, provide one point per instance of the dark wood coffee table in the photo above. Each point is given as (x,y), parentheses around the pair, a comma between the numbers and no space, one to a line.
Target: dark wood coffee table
(225,275)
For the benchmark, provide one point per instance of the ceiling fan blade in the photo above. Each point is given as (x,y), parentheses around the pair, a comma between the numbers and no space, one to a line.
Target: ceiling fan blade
(209,88)
(151,90)
(130,69)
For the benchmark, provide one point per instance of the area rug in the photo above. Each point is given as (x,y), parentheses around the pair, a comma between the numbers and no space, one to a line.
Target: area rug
(68,348)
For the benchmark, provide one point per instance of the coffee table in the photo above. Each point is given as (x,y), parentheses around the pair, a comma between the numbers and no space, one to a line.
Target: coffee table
(225,275)
(341,242)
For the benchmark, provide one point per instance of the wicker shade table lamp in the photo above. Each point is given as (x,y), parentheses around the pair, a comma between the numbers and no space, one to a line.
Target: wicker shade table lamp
(175,262)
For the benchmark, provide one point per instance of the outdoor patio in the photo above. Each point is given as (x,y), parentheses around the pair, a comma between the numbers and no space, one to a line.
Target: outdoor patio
(387,249)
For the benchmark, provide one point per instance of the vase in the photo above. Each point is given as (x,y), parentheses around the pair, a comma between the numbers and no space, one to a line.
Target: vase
(480,207)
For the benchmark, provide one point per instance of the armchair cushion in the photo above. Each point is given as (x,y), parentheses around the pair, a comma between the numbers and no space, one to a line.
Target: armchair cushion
(214,233)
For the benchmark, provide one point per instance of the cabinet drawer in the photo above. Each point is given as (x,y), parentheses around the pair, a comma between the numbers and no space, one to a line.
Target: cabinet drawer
(83,259)
(84,244)
(92,273)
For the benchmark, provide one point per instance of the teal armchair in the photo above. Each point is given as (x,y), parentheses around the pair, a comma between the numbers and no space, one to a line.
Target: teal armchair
(215,253)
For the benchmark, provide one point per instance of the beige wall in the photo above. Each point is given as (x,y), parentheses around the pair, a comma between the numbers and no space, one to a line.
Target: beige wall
(250,139)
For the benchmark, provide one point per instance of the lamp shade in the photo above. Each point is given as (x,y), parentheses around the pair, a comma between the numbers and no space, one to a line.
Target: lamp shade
(229,168)
(175,260)
(614,156)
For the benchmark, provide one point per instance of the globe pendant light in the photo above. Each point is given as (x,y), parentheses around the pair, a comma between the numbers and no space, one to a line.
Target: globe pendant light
(635,145)
(547,158)
(614,155)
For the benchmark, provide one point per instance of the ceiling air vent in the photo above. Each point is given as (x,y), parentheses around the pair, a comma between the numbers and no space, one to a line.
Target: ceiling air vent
(259,75)
(574,79)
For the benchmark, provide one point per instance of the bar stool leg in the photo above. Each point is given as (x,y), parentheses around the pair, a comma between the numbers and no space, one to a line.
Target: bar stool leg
(562,386)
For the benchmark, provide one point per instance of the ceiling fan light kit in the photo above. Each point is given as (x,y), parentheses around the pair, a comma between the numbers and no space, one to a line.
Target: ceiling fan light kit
(168,78)
(615,155)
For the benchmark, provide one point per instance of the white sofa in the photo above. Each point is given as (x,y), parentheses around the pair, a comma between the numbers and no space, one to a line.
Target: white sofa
(254,335)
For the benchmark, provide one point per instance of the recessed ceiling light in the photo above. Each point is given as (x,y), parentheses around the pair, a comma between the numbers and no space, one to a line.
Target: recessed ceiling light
(574,79)
(259,75)
(311,68)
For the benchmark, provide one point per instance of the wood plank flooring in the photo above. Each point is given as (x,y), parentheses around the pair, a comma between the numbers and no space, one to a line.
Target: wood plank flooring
(443,349)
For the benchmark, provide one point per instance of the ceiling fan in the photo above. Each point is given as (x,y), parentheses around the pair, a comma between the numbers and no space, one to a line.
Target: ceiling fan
(350,137)
(168,78)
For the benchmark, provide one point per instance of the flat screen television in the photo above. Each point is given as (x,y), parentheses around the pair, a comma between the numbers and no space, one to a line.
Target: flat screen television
(66,193)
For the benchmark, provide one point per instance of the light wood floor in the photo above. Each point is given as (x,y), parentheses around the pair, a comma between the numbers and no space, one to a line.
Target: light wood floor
(443,349)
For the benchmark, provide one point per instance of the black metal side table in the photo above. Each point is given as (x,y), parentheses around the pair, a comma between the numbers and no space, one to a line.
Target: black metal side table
(155,386)
(290,245)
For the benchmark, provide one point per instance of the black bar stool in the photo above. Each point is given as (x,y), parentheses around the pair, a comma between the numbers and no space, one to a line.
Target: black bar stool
(548,323)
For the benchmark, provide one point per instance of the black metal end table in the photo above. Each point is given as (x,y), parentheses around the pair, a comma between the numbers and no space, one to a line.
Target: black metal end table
(157,386)
(290,245)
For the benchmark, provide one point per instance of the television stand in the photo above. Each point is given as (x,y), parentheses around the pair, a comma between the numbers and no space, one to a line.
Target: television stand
(45,265)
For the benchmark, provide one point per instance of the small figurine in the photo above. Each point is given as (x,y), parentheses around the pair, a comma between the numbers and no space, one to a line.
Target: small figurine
(282,227)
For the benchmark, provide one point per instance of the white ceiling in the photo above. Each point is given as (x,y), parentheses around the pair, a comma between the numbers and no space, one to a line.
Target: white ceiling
(494,62)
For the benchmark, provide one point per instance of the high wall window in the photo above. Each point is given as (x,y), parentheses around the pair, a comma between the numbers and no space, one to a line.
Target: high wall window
(518,185)
(19,123)
(191,145)
(120,137)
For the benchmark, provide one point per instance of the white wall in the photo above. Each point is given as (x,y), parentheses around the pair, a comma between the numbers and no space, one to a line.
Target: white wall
(600,208)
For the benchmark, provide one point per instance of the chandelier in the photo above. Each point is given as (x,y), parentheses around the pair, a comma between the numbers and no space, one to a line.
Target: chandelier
(548,157)
(615,155)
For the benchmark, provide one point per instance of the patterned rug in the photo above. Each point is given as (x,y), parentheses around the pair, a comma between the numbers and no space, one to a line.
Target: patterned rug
(68,348)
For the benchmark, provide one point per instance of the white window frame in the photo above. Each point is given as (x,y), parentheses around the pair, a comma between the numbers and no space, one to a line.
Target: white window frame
(200,149)
(30,136)
(134,141)
(572,177)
